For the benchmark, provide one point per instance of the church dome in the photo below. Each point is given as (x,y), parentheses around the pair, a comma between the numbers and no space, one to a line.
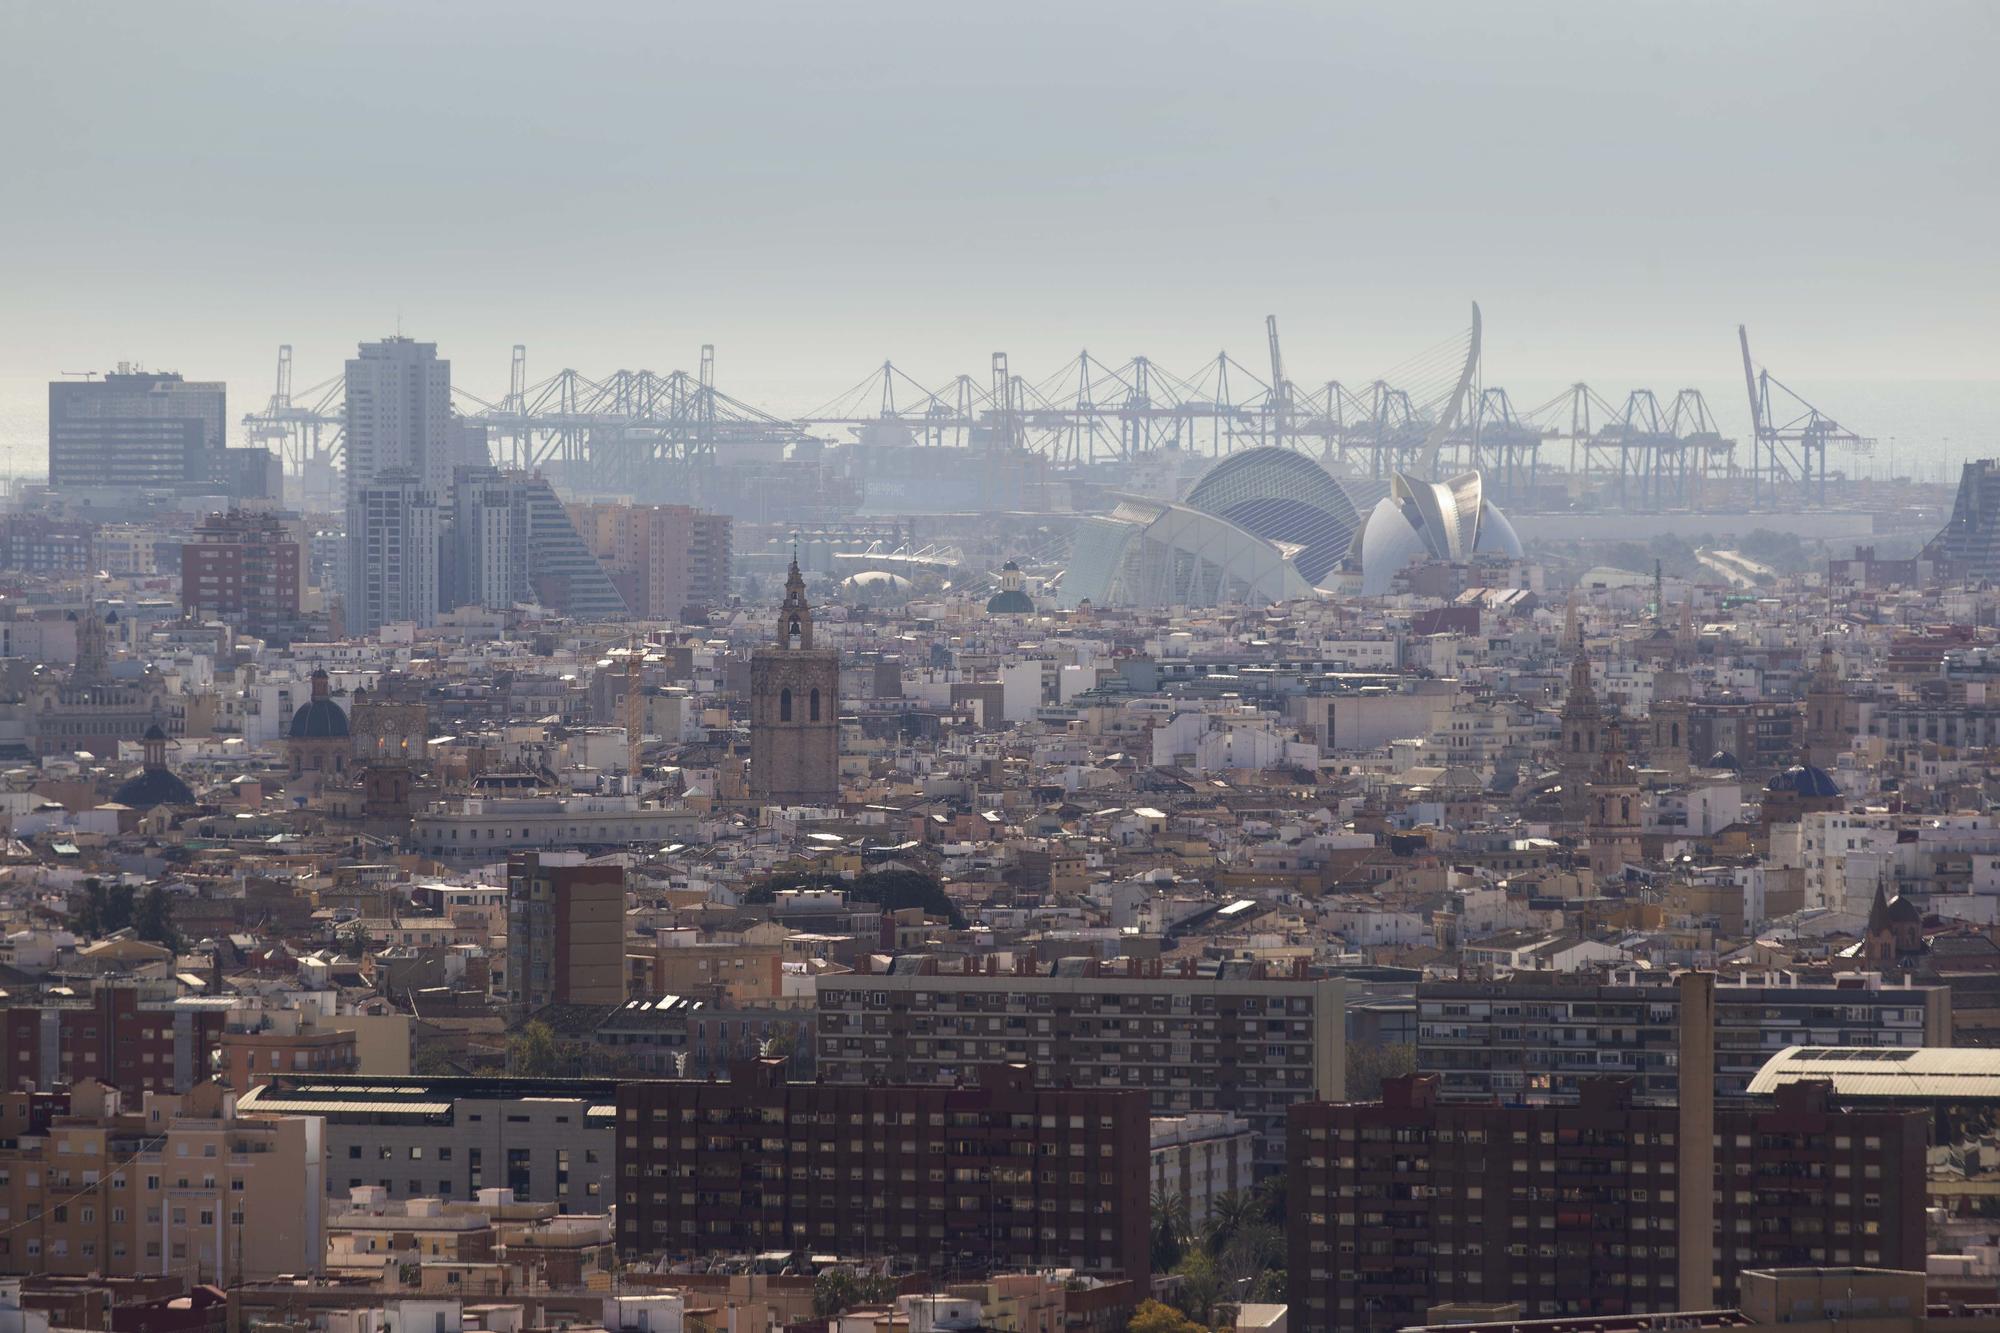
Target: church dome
(1012,599)
(154,784)
(151,787)
(321,719)
(1010,602)
(1804,780)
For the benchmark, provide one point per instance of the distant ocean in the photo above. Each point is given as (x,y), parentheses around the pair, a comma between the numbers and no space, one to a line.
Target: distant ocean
(1925,429)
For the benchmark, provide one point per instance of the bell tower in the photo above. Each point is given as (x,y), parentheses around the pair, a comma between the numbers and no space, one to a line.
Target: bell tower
(1613,824)
(1582,722)
(795,710)
(1827,729)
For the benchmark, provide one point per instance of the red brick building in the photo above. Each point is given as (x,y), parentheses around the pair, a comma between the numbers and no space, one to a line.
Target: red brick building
(136,1045)
(1402,1204)
(990,1176)
(244,567)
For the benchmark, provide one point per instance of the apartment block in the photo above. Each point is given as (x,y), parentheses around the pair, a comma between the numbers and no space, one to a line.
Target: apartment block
(243,567)
(259,1045)
(1535,1040)
(137,1038)
(992,1174)
(547,1140)
(667,560)
(565,931)
(185,1186)
(1200,1158)
(1403,1204)
(39,544)
(1248,1042)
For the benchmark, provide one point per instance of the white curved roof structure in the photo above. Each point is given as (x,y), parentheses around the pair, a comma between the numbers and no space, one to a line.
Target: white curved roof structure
(1431,520)
(1909,1073)
(1286,497)
(1152,554)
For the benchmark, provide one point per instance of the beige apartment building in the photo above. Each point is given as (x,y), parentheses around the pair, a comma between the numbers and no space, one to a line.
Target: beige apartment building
(182,1186)
(662,558)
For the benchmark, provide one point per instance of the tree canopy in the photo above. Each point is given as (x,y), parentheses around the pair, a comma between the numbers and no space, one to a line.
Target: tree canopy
(891,890)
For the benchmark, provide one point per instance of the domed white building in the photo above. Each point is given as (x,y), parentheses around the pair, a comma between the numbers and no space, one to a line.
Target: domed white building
(1431,520)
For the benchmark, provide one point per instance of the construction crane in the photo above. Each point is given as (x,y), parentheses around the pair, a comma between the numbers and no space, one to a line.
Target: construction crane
(1789,436)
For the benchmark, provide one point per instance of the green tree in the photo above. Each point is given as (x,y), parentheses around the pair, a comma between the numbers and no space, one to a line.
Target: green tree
(89,917)
(1154,1317)
(532,1052)
(120,907)
(1369,1063)
(1170,1228)
(1230,1215)
(1201,1295)
(838,1290)
(154,919)
(891,890)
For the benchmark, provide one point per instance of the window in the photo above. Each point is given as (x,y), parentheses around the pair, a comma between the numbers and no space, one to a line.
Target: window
(785,705)
(813,705)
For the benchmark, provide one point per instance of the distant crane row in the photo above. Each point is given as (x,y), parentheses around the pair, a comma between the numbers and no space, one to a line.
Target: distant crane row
(1648,453)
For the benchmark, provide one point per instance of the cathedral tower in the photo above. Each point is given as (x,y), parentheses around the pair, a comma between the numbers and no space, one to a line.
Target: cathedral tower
(1828,732)
(1582,722)
(795,710)
(1615,814)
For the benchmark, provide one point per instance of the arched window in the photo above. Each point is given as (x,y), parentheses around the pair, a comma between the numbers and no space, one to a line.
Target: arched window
(1625,808)
(812,706)
(794,632)
(784,705)
(1576,740)
(1603,809)
(1677,735)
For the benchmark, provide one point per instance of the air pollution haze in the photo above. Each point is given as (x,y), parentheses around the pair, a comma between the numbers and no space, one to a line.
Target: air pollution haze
(814,188)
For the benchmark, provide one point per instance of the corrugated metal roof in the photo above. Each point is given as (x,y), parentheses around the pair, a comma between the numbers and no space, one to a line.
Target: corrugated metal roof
(1914,1073)
(342,1105)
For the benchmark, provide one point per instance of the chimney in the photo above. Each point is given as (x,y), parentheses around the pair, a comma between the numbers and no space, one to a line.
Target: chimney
(1696,1223)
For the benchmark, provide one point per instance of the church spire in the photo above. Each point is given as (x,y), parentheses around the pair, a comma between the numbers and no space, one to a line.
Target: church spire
(93,654)
(795,626)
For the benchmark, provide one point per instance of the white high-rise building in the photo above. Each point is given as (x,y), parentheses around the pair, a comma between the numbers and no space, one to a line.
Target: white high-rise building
(399,431)
(392,541)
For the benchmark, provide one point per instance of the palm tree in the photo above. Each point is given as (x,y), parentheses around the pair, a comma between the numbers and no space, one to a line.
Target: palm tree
(1170,1228)
(1229,1215)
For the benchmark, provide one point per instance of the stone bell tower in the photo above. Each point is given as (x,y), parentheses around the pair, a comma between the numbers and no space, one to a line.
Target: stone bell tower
(795,710)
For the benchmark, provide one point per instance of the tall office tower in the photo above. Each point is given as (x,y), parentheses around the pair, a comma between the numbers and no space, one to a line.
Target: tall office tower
(795,710)
(392,544)
(565,931)
(137,431)
(399,427)
(514,541)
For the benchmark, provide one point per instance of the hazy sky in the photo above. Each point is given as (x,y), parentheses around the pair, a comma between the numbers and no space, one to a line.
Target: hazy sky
(813,187)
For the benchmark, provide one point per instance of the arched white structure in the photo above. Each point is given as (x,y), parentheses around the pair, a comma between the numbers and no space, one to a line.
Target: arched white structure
(1431,520)
(1152,554)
